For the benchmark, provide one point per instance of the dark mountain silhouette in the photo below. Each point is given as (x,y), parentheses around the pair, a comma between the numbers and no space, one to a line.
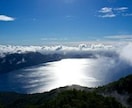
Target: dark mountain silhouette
(16,61)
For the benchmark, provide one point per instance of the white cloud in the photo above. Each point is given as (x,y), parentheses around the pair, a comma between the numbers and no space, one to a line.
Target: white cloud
(126,53)
(108,12)
(6,18)
(108,15)
(105,10)
(121,9)
(81,48)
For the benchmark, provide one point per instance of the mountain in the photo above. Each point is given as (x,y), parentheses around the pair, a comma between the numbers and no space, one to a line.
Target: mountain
(60,99)
(121,90)
(16,61)
(114,95)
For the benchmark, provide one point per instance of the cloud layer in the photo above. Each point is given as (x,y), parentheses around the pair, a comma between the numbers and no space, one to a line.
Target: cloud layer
(126,53)
(81,48)
(122,50)
(6,18)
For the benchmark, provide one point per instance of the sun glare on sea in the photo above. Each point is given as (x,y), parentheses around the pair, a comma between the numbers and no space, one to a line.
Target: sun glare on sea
(69,71)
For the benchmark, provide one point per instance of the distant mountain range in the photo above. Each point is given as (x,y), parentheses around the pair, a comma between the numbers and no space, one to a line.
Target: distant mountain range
(114,95)
(16,61)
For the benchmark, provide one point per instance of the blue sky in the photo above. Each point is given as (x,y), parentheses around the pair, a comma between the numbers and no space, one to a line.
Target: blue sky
(37,22)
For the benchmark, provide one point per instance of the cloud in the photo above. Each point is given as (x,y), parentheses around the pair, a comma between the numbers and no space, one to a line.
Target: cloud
(81,48)
(122,9)
(105,10)
(108,15)
(108,12)
(126,53)
(6,18)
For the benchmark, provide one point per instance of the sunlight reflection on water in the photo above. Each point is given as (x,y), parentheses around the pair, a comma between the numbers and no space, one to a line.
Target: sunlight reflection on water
(44,77)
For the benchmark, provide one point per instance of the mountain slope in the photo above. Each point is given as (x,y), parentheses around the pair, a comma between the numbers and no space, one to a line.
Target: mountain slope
(16,61)
(121,90)
(64,99)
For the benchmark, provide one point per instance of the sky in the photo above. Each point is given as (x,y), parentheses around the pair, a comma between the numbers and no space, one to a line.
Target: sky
(38,22)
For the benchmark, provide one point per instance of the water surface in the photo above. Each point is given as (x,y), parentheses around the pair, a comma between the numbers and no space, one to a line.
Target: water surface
(85,72)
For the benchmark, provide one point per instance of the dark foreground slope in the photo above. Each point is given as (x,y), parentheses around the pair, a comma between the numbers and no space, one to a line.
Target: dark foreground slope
(74,97)
(121,90)
(65,99)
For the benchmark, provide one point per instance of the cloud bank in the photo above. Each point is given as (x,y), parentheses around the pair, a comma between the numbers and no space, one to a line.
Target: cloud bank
(119,50)
(81,48)
(126,53)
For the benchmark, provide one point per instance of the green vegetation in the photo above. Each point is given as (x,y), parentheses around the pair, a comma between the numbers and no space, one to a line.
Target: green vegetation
(121,86)
(65,99)
(1,106)
(81,99)
(119,89)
